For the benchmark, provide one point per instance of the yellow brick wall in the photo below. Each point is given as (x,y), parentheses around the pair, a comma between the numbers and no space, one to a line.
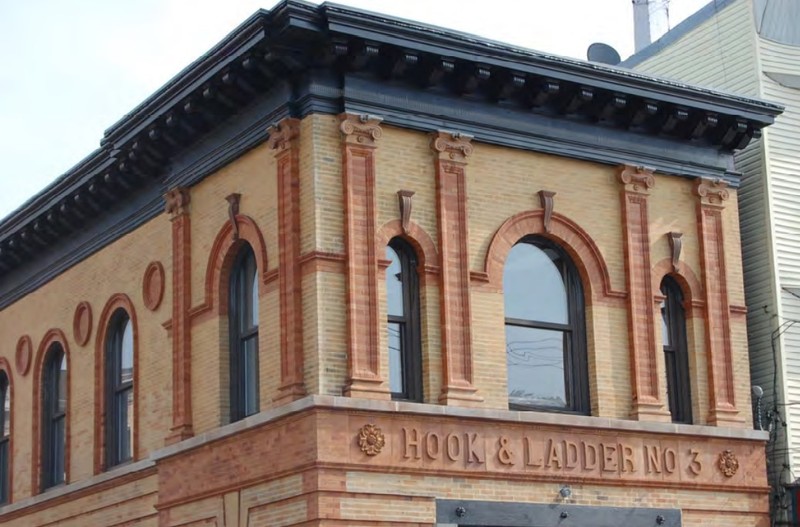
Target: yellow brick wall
(118,268)
(500,183)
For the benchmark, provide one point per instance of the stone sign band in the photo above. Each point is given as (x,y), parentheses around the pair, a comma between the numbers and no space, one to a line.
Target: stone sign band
(536,452)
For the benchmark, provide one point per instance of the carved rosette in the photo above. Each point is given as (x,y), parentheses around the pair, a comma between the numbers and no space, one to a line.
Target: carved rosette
(23,355)
(153,285)
(712,192)
(176,202)
(636,179)
(547,202)
(282,133)
(82,323)
(452,146)
(728,464)
(364,129)
(371,440)
(404,197)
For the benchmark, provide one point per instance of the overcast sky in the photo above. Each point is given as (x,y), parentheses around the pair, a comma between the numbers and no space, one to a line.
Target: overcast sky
(69,69)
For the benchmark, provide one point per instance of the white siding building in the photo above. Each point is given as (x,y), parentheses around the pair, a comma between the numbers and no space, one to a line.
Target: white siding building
(752,48)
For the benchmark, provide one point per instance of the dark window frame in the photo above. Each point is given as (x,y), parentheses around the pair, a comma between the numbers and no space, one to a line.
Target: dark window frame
(243,273)
(676,352)
(409,322)
(5,438)
(117,390)
(576,363)
(54,452)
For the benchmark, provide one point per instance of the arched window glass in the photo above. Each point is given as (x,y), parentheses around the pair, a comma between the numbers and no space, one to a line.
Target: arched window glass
(5,436)
(545,329)
(54,417)
(676,355)
(119,390)
(402,309)
(243,327)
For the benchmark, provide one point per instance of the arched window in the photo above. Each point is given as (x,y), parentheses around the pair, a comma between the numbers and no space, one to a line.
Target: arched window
(119,389)
(676,355)
(402,309)
(243,328)
(545,329)
(5,436)
(54,417)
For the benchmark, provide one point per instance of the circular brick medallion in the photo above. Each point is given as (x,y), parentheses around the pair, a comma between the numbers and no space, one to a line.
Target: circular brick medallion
(82,323)
(153,285)
(23,354)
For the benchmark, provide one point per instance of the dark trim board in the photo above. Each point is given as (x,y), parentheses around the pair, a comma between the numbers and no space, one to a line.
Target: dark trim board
(550,134)
(465,513)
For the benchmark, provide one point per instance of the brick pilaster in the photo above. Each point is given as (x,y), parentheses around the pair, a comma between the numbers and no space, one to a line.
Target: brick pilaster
(177,206)
(283,140)
(711,202)
(648,403)
(360,134)
(451,151)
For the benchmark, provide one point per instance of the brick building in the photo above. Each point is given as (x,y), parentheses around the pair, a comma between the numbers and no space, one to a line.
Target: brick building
(350,270)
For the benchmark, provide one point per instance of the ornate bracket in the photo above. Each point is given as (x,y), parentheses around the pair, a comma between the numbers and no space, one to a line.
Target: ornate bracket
(637,179)
(282,133)
(547,202)
(452,146)
(176,202)
(233,211)
(404,197)
(361,129)
(711,191)
(675,245)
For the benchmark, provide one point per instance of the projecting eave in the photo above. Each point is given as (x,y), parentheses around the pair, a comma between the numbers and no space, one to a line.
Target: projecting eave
(301,58)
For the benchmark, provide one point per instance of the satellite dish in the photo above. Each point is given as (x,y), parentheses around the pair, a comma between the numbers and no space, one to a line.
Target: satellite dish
(603,53)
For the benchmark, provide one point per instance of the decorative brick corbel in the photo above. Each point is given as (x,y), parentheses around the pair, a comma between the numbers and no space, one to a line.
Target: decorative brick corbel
(648,403)
(360,134)
(233,210)
(404,199)
(675,246)
(177,206)
(451,151)
(283,139)
(547,202)
(712,195)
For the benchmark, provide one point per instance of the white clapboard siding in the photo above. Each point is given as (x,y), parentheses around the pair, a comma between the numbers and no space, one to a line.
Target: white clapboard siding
(719,53)
(759,270)
(783,164)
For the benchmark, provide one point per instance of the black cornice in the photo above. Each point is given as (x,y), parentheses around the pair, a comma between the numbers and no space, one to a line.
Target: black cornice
(297,58)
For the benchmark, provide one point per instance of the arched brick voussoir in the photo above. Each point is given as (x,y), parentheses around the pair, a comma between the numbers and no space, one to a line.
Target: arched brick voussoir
(419,239)
(688,281)
(52,336)
(118,301)
(578,244)
(223,252)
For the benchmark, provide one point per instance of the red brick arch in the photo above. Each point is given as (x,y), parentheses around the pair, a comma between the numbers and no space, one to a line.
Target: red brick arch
(52,336)
(223,253)
(419,239)
(115,303)
(575,241)
(690,285)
